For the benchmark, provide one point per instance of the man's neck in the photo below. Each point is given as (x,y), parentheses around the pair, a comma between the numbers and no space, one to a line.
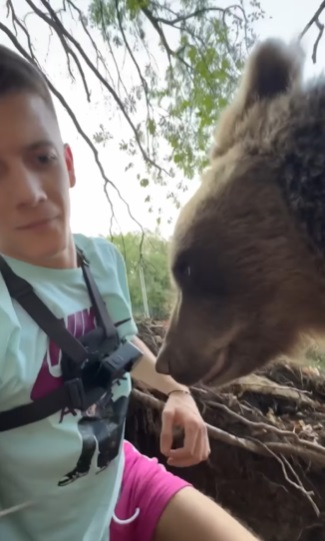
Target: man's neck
(65,259)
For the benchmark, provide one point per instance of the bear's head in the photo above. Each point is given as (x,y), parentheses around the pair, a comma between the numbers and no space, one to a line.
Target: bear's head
(247,254)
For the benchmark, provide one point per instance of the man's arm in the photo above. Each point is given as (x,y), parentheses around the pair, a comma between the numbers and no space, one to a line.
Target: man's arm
(180,410)
(190,515)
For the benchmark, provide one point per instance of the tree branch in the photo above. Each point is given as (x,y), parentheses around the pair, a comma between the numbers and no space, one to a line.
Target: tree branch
(320,26)
(183,18)
(160,32)
(198,12)
(54,22)
(108,41)
(283,461)
(155,23)
(312,20)
(142,79)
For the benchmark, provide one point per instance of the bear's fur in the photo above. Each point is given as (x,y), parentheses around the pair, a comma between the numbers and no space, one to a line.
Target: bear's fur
(248,250)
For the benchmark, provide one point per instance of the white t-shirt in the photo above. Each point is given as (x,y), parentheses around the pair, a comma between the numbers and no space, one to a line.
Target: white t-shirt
(63,462)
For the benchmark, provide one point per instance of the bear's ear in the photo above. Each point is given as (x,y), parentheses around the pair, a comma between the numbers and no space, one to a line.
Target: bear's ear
(272,69)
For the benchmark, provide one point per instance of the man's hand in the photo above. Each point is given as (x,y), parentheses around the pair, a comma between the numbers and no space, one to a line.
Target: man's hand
(181,410)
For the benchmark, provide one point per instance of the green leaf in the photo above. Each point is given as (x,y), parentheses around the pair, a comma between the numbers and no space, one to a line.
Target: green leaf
(144,182)
(151,125)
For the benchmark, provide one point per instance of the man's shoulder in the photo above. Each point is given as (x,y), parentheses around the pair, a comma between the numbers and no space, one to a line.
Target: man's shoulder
(103,255)
(99,246)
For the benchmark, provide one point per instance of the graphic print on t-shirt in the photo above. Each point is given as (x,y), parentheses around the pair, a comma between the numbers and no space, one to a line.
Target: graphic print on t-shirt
(101,426)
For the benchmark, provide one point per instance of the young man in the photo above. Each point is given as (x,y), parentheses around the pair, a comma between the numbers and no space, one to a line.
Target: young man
(63,464)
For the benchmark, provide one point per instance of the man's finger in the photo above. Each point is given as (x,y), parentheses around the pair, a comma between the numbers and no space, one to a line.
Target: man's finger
(183,463)
(189,449)
(191,437)
(166,434)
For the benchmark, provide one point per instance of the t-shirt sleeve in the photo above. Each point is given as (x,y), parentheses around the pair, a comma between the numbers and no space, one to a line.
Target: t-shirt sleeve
(124,309)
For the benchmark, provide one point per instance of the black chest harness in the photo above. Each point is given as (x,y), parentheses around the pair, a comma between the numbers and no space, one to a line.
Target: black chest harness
(89,365)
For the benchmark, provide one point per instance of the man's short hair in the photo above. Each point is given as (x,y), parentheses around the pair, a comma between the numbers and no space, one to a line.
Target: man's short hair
(19,75)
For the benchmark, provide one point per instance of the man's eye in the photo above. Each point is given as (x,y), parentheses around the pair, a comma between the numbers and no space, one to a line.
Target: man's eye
(46,158)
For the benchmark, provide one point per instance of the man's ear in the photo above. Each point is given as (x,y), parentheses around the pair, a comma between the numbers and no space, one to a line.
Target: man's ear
(68,156)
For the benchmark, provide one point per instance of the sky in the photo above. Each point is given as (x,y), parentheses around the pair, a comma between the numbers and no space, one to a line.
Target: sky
(91,213)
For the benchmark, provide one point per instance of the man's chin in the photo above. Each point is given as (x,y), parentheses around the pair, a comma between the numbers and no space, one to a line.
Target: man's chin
(43,253)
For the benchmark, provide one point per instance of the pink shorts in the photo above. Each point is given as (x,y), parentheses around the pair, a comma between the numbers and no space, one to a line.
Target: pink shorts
(147,487)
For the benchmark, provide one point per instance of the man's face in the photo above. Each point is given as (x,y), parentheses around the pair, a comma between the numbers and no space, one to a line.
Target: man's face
(36,172)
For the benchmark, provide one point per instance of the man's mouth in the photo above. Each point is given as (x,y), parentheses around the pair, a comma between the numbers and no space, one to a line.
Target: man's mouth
(38,224)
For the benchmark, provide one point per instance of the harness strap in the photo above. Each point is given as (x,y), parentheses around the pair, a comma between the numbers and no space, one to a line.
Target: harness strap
(23,293)
(71,394)
(101,313)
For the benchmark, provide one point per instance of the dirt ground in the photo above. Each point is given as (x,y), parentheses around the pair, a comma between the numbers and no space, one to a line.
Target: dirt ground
(250,486)
(267,433)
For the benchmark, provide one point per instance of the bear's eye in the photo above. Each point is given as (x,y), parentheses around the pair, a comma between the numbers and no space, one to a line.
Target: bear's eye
(197,273)
(183,270)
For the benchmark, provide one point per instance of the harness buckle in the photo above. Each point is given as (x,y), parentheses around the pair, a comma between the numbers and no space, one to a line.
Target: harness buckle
(76,394)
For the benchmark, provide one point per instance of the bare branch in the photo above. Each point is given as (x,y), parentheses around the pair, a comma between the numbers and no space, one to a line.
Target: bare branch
(197,13)
(56,24)
(142,79)
(15,21)
(160,32)
(283,461)
(202,11)
(107,39)
(320,26)
(155,23)
(228,11)
(182,18)
(69,52)
(312,21)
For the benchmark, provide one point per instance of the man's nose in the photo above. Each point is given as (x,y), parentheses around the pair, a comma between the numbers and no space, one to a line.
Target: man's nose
(27,186)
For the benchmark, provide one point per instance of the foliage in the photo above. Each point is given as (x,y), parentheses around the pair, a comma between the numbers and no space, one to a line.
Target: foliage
(166,68)
(154,261)
(182,60)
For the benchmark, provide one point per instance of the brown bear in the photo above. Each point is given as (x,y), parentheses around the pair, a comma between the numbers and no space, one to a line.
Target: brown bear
(248,250)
